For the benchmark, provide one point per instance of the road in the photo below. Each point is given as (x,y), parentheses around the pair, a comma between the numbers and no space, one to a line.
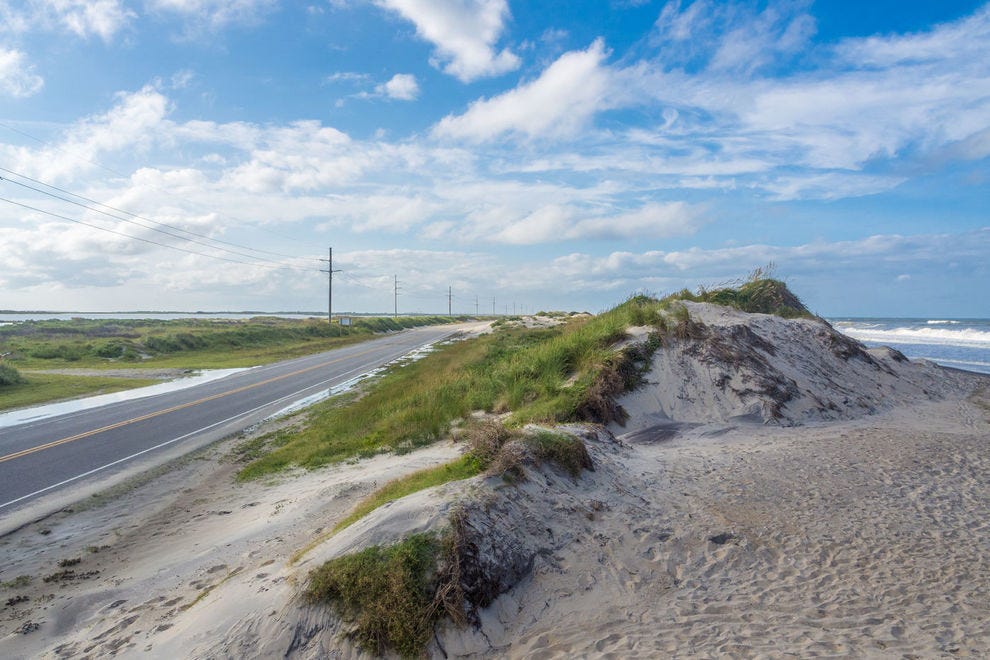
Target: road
(60,458)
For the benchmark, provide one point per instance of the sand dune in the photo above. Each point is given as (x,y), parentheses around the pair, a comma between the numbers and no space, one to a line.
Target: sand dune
(776,491)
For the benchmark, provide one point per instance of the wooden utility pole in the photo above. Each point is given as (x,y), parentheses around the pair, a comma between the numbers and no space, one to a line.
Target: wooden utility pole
(450,300)
(395,297)
(329,271)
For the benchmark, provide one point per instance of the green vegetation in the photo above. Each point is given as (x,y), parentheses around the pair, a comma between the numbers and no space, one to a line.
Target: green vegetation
(10,376)
(542,375)
(18,582)
(42,388)
(185,343)
(464,467)
(564,450)
(759,294)
(388,593)
(143,343)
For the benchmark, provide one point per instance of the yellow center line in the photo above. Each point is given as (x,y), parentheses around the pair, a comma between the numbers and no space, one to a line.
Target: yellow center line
(134,420)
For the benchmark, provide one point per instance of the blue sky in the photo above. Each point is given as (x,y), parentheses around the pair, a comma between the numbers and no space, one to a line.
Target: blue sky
(552,155)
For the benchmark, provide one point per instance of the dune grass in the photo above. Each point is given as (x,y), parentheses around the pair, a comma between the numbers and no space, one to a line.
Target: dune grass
(463,467)
(541,375)
(388,593)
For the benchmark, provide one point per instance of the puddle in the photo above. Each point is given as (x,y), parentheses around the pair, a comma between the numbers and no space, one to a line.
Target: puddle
(36,413)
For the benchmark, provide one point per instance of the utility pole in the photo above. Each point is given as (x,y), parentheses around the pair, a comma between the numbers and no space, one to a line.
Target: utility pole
(329,271)
(450,301)
(476,304)
(493,305)
(395,297)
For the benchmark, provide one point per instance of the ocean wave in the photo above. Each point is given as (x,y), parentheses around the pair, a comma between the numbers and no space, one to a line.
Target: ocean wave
(942,336)
(938,322)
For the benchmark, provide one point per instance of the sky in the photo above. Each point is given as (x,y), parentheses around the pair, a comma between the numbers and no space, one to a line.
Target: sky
(205,154)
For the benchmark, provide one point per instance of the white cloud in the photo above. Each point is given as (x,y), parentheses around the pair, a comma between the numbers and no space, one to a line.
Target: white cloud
(887,252)
(215,14)
(401,86)
(558,103)
(828,185)
(17,77)
(84,18)
(555,223)
(130,126)
(103,18)
(464,32)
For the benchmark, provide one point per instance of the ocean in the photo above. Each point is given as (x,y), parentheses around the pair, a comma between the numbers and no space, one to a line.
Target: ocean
(959,343)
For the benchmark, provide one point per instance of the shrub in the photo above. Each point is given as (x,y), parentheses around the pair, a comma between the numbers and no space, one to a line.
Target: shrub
(10,376)
(387,593)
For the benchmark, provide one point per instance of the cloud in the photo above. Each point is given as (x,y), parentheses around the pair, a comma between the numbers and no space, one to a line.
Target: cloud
(130,126)
(558,103)
(879,253)
(555,223)
(215,14)
(103,18)
(84,18)
(17,77)
(402,86)
(464,32)
(732,37)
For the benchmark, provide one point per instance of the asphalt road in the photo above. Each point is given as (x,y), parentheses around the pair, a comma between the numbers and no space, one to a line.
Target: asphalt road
(84,451)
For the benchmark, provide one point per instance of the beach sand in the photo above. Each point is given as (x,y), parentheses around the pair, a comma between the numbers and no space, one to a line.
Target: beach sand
(868,538)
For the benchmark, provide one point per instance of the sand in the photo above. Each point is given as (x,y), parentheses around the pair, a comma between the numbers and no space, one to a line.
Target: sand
(860,539)
(850,520)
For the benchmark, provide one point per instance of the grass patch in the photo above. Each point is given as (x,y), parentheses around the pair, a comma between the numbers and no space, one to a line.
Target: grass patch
(18,582)
(563,450)
(44,388)
(464,467)
(9,376)
(387,593)
(759,294)
(178,344)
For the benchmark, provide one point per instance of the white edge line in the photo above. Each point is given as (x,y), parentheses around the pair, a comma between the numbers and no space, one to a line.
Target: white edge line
(180,438)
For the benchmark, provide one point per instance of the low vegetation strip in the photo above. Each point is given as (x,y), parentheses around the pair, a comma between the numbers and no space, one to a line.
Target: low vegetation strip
(118,344)
(464,467)
(190,343)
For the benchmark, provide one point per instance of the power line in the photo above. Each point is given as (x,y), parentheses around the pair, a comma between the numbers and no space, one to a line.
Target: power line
(161,190)
(138,224)
(132,214)
(146,240)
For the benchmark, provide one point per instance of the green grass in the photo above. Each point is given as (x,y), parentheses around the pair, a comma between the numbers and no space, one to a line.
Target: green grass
(758,294)
(541,375)
(44,388)
(9,376)
(464,467)
(145,344)
(387,593)
(184,343)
